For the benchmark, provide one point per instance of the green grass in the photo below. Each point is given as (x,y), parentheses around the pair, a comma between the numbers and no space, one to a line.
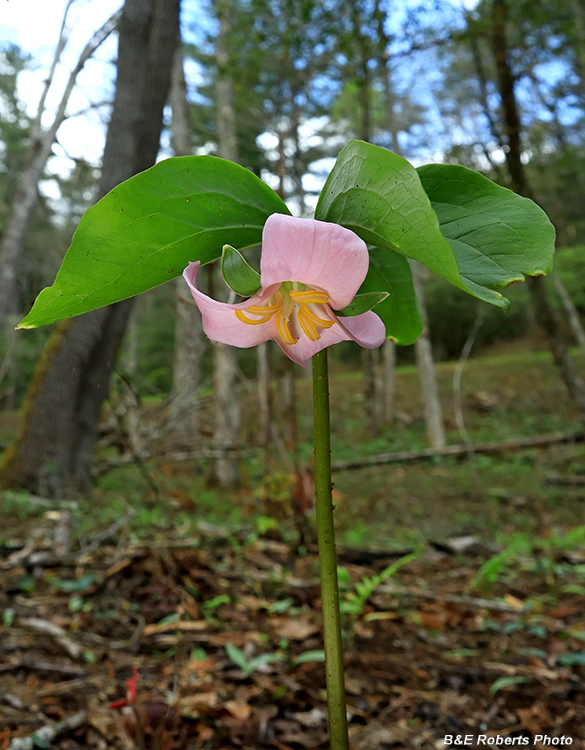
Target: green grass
(376,507)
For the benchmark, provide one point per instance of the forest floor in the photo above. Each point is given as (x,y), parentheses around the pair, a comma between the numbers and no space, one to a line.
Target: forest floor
(214,602)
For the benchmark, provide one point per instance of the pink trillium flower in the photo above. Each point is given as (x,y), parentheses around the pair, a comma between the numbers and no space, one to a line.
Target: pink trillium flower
(308,269)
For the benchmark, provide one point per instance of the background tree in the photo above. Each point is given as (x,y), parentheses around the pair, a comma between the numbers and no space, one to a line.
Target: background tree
(53,450)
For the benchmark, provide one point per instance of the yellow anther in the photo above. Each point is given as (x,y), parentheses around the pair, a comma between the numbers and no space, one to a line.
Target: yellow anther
(311,295)
(283,329)
(308,328)
(241,316)
(318,321)
(296,303)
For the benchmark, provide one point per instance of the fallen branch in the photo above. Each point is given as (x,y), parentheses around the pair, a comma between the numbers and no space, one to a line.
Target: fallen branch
(34,664)
(468,601)
(567,480)
(45,627)
(540,441)
(47,734)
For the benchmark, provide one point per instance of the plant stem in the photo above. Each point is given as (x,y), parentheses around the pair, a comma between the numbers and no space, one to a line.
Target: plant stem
(338,735)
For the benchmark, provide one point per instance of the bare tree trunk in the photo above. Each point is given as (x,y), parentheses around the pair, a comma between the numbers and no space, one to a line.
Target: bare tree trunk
(572,312)
(579,18)
(290,406)
(183,418)
(26,195)
(53,450)
(370,359)
(384,60)
(545,315)
(388,384)
(426,370)
(388,379)
(227,411)
(128,358)
(264,400)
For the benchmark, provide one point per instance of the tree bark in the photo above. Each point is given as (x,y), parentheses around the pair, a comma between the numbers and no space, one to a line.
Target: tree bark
(388,388)
(53,450)
(183,418)
(426,370)
(264,400)
(572,312)
(227,410)
(388,379)
(26,195)
(545,315)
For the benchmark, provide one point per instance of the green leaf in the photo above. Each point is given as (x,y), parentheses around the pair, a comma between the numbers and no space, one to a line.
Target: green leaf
(400,311)
(146,230)
(380,196)
(572,660)
(504,682)
(309,656)
(237,656)
(362,303)
(497,236)
(458,653)
(238,274)
(79,584)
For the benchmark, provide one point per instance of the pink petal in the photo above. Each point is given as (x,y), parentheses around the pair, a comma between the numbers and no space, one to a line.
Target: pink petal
(304,349)
(220,323)
(316,253)
(366,329)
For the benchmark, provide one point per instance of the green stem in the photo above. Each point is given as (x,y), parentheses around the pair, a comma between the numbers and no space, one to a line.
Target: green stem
(327,557)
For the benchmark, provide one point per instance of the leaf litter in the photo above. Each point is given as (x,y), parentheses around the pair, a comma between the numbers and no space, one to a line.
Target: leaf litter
(226,642)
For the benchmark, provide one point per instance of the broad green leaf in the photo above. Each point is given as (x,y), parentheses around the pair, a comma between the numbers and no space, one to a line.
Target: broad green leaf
(380,196)
(146,230)
(497,236)
(362,303)
(400,311)
(238,274)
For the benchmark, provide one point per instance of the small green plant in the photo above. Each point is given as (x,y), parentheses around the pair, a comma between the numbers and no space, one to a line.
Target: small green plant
(354,602)
(248,666)
(492,569)
(208,607)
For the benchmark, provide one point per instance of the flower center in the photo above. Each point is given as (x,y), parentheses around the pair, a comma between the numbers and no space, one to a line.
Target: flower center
(296,310)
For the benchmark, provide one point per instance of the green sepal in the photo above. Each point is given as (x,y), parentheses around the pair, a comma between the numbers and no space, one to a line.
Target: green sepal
(362,303)
(238,274)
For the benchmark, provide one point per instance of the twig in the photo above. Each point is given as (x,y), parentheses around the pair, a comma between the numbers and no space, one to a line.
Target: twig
(469,601)
(47,734)
(540,441)
(45,627)
(33,664)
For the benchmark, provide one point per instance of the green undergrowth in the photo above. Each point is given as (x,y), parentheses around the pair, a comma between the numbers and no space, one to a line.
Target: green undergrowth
(508,395)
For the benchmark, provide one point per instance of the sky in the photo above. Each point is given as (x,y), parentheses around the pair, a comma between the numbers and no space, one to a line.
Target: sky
(34,26)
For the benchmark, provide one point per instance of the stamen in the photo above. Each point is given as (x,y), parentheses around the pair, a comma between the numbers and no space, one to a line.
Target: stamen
(241,316)
(311,295)
(294,302)
(318,321)
(308,328)
(283,329)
